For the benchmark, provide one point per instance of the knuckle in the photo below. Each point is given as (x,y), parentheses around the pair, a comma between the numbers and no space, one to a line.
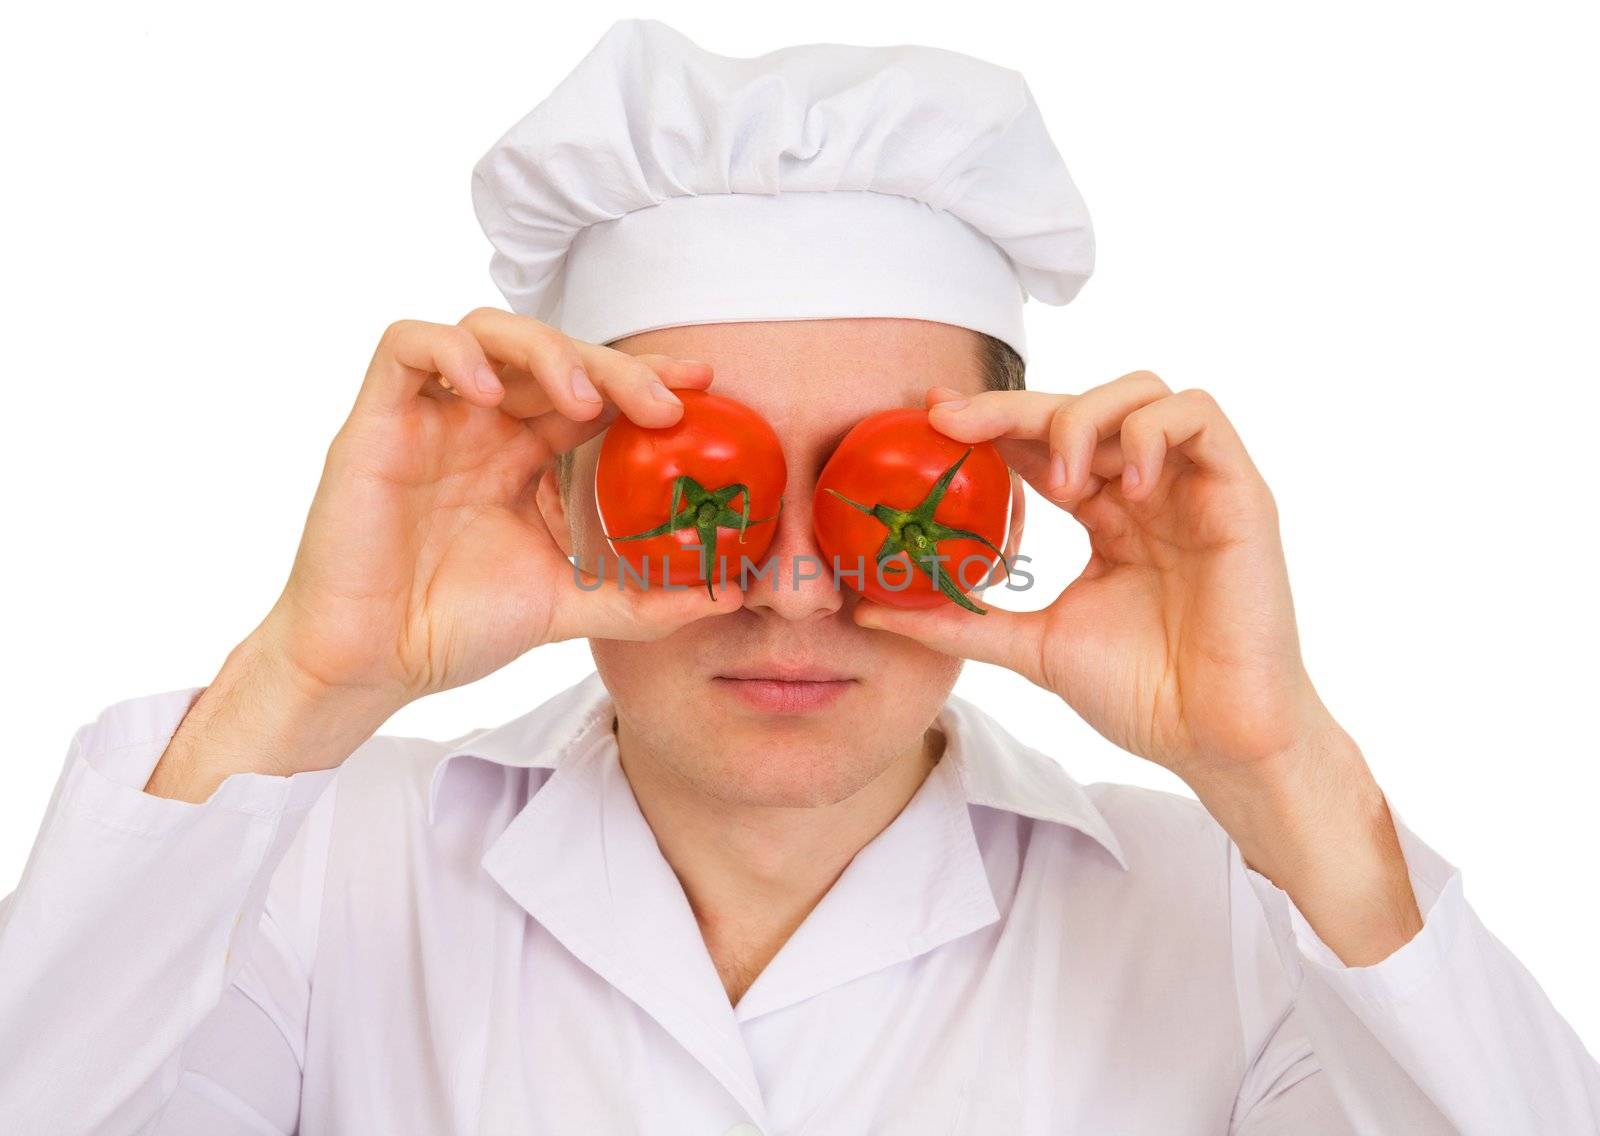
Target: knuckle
(538,332)
(396,330)
(1069,420)
(339,454)
(640,373)
(1198,397)
(563,346)
(1146,379)
(1265,502)
(617,371)
(637,610)
(1139,423)
(477,316)
(993,406)
(545,348)
(461,339)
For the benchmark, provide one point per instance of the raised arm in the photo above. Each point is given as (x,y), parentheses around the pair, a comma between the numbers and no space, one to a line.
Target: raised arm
(1178,643)
(128,950)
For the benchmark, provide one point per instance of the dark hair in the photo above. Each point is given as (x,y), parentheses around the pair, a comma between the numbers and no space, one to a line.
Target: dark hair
(1002,369)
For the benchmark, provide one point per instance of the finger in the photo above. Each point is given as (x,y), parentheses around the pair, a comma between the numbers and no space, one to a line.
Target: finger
(557,434)
(1006,638)
(996,414)
(1190,422)
(1018,422)
(933,396)
(410,353)
(637,385)
(548,370)
(678,373)
(546,367)
(604,607)
(1059,432)
(527,399)
(1081,425)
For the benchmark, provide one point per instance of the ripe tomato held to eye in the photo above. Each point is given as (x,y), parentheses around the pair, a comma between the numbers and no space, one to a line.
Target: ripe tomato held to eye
(883,496)
(714,479)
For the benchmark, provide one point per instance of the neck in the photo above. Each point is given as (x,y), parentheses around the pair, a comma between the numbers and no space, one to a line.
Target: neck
(752,873)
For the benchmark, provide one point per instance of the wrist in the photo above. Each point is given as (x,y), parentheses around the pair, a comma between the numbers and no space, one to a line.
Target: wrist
(1317,825)
(260,715)
(1299,808)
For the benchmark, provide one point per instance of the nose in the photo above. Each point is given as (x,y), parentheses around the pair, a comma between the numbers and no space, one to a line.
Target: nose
(792,582)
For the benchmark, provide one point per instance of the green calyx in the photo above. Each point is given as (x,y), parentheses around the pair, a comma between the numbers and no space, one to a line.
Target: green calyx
(705,511)
(916,533)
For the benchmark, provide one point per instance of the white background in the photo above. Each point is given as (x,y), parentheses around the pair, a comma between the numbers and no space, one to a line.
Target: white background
(1369,229)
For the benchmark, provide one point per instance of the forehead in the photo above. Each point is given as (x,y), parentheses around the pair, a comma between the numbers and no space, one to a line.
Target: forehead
(812,378)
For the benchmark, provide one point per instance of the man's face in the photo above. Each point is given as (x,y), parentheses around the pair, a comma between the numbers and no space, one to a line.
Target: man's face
(701,705)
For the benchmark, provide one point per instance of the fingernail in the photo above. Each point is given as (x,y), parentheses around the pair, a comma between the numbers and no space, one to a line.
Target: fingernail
(1130,476)
(485,379)
(662,394)
(582,389)
(952,404)
(1058,472)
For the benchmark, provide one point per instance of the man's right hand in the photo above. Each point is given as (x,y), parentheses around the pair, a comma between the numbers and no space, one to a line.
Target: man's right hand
(425,563)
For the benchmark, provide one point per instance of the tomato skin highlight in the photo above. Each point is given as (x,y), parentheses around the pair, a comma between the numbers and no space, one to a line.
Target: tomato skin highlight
(718,442)
(894,458)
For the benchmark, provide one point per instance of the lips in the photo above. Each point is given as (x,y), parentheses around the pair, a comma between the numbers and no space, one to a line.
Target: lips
(785,672)
(785,688)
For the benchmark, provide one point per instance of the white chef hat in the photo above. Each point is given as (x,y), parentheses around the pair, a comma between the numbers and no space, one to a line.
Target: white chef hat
(660,184)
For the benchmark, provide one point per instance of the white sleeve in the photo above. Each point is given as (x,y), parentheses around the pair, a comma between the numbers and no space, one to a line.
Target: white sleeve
(136,950)
(1449,1033)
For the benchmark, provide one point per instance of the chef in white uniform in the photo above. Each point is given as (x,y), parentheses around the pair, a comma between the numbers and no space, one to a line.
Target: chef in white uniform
(664,901)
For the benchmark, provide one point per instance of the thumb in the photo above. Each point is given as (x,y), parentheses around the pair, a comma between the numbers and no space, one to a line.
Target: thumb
(1006,638)
(603,607)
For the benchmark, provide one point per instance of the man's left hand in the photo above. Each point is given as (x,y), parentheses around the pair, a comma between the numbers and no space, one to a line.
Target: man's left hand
(1177,641)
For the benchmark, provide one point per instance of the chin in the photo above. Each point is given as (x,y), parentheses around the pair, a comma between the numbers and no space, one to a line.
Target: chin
(777,761)
(784,761)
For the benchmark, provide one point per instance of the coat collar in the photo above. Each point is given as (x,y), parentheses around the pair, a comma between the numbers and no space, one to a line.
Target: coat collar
(615,903)
(995,769)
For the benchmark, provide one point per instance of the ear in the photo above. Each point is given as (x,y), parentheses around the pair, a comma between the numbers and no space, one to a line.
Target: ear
(1013,532)
(553,509)
(1014,525)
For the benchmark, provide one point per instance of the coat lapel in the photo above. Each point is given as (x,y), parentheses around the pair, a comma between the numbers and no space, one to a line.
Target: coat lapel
(919,884)
(580,858)
(582,861)
(922,882)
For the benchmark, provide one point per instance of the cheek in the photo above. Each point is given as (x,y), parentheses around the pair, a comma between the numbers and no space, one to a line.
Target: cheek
(654,673)
(909,672)
(662,681)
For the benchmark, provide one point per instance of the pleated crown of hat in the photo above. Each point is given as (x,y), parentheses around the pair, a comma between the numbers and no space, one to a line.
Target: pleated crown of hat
(660,184)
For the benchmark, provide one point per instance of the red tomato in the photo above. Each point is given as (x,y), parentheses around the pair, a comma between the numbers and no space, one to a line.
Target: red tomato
(889,468)
(660,491)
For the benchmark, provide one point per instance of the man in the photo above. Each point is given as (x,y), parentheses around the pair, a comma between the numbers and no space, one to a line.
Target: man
(760,873)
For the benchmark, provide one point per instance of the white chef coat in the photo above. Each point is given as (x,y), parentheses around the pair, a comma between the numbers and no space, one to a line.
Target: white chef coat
(482,936)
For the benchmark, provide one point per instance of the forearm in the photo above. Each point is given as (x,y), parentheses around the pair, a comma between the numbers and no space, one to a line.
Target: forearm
(1315,822)
(133,915)
(1448,1031)
(259,716)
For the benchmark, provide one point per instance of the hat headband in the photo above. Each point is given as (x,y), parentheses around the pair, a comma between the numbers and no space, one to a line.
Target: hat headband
(738,257)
